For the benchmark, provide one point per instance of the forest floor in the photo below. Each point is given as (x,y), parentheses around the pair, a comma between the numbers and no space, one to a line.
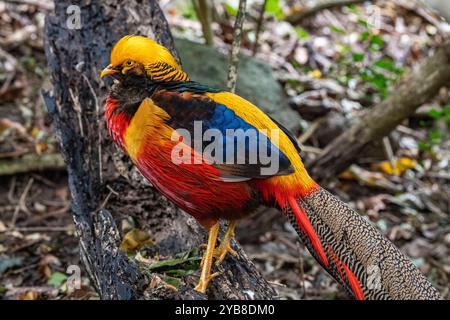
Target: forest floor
(335,66)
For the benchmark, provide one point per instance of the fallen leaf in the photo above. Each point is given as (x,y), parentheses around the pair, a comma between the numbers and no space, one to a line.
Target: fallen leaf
(57,279)
(2,226)
(7,123)
(368,178)
(317,74)
(45,265)
(29,295)
(41,147)
(168,282)
(39,207)
(400,166)
(134,240)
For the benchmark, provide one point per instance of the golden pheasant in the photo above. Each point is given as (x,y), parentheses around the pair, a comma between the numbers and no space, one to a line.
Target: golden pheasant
(183,138)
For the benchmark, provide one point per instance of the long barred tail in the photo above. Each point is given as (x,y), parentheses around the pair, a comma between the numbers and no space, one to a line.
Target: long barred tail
(357,255)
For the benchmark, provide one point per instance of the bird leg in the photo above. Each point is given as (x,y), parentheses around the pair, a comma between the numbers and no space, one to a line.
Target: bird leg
(221,251)
(206,264)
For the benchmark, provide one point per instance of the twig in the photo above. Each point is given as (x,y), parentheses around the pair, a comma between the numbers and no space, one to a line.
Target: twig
(310,131)
(408,131)
(77,108)
(45,181)
(12,187)
(46,5)
(298,17)
(203,11)
(16,66)
(19,36)
(110,193)
(259,26)
(388,152)
(438,175)
(311,149)
(21,206)
(24,245)
(234,58)
(44,229)
(31,162)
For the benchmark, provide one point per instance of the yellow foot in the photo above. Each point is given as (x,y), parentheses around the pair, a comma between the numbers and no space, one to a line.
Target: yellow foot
(206,264)
(203,283)
(221,251)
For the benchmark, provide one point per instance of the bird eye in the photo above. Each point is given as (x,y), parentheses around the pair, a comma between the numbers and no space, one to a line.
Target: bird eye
(129,63)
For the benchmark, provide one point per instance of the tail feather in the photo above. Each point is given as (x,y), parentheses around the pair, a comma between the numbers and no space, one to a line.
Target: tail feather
(308,229)
(356,254)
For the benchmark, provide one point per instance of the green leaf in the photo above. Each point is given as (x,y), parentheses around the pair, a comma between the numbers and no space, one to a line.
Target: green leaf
(338,30)
(231,10)
(273,7)
(188,12)
(376,42)
(302,33)
(57,279)
(424,146)
(183,260)
(353,8)
(364,36)
(446,112)
(436,136)
(171,263)
(386,64)
(363,23)
(435,114)
(180,272)
(172,281)
(358,57)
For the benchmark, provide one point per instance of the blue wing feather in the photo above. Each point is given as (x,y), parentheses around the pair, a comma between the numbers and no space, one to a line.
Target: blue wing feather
(185,108)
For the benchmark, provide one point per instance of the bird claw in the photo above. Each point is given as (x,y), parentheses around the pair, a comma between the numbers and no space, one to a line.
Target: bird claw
(221,252)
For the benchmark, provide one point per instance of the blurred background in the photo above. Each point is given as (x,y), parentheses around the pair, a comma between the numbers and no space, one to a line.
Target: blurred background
(316,64)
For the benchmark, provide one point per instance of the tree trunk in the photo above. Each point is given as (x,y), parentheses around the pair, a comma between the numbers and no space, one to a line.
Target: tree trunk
(75,57)
(415,89)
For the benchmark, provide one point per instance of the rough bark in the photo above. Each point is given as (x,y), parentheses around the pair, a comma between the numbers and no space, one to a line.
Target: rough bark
(75,57)
(414,89)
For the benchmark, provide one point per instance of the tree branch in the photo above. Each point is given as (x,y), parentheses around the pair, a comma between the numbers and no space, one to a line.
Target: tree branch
(31,162)
(298,17)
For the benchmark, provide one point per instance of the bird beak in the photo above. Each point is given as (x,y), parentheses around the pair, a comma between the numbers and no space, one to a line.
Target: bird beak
(109,70)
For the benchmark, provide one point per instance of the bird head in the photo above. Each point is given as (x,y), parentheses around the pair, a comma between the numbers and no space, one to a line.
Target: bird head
(141,56)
